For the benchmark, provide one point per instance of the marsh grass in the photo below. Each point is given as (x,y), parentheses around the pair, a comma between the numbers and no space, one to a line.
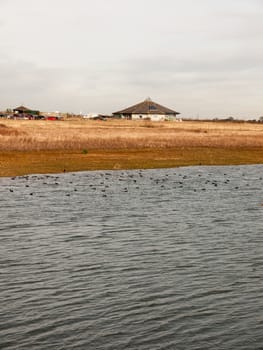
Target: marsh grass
(28,147)
(122,134)
(8,131)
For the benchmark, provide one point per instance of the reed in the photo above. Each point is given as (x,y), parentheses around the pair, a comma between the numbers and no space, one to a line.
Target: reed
(56,146)
(122,134)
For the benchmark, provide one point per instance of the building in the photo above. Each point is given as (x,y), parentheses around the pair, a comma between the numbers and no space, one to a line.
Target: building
(147,109)
(25,113)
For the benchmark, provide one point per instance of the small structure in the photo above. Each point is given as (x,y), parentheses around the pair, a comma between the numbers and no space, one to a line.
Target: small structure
(147,109)
(25,113)
(90,116)
(3,114)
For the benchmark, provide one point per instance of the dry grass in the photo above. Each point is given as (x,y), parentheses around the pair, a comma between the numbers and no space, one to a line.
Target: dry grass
(56,146)
(8,131)
(122,134)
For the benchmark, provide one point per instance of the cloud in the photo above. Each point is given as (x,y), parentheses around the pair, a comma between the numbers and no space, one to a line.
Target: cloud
(97,56)
(156,70)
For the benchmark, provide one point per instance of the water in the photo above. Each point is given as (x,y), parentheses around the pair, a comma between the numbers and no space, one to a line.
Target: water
(154,259)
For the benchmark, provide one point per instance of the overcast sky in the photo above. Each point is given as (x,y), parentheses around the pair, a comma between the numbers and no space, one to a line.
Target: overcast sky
(203,58)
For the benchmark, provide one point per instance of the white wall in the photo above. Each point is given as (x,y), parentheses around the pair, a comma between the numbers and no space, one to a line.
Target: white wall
(154,117)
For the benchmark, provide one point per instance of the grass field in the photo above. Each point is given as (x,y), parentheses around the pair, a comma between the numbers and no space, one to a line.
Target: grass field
(28,146)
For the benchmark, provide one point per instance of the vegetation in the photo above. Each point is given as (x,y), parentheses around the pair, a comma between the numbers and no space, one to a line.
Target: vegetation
(72,145)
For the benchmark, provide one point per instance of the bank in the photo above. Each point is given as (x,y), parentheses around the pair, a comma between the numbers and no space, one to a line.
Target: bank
(14,163)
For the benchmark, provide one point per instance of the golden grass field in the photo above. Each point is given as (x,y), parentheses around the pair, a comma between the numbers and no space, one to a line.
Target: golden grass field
(28,146)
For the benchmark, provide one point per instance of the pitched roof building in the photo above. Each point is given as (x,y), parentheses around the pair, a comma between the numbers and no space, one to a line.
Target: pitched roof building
(23,109)
(147,109)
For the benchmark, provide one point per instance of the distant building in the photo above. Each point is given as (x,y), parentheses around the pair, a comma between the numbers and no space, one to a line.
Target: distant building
(24,112)
(147,109)
(23,109)
(90,115)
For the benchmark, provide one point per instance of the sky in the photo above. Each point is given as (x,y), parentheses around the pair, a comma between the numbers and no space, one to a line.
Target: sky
(201,58)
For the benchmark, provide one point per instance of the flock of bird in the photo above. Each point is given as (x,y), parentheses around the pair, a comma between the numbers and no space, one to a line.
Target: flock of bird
(126,181)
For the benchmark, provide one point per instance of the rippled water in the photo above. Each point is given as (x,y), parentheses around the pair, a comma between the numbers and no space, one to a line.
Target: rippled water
(154,259)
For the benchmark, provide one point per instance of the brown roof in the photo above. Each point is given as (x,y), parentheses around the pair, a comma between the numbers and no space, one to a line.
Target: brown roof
(21,108)
(147,107)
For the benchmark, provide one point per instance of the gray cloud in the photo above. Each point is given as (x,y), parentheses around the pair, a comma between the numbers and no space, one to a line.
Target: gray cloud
(98,56)
(195,71)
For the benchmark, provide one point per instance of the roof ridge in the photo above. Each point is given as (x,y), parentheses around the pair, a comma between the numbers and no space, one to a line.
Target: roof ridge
(147,107)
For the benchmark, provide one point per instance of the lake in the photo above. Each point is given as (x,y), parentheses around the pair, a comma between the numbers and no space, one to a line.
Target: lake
(143,259)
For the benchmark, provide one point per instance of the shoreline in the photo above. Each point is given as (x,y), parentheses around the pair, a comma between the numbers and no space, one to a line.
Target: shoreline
(19,163)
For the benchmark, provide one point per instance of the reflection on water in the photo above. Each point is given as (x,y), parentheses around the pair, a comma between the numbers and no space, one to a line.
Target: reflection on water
(154,259)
